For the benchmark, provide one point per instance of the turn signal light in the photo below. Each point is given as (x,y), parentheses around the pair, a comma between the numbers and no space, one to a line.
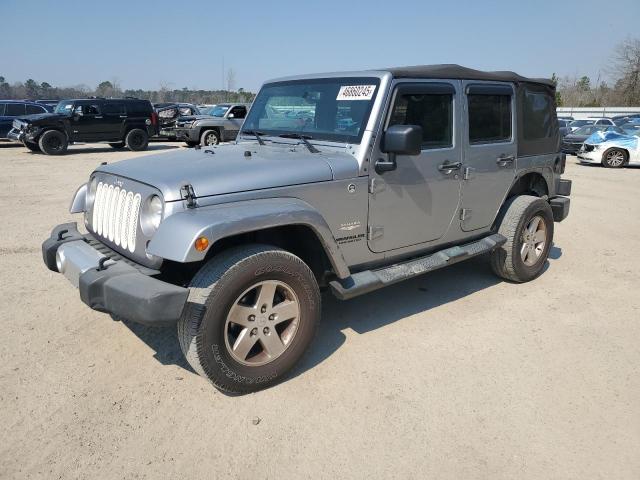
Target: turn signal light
(201,244)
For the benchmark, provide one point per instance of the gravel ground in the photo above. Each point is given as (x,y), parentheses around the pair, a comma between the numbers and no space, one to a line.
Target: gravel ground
(452,375)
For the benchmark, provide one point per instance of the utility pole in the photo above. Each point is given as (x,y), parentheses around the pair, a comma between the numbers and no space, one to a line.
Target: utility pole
(222,78)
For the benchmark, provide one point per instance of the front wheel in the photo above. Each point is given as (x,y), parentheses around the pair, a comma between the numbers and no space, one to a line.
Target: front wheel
(53,142)
(527,223)
(209,137)
(252,313)
(614,158)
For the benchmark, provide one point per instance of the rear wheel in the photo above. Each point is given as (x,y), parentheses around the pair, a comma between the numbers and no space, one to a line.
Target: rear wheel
(53,142)
(137,139)
(209,137)
(252,313)
(527,224)
(614,158)
(33,146)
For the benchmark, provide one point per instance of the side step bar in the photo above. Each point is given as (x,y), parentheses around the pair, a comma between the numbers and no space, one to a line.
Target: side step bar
(370,280)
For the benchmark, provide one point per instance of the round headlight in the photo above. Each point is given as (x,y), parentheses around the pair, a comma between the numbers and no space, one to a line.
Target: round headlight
(152,215)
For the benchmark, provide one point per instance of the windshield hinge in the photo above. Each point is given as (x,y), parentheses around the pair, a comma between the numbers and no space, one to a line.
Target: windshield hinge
(189,195)
(465,213)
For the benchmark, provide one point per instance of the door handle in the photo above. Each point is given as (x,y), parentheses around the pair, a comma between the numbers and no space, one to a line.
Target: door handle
(448,168)
(98,116)
(505,160)
(123,116)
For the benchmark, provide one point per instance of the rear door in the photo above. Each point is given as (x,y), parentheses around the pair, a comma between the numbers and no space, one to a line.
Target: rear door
(112,125)
(489,151)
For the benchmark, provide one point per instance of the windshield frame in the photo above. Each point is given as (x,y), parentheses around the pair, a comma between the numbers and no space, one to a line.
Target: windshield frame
(311,134)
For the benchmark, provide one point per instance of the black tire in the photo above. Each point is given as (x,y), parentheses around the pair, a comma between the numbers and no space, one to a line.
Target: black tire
(615,158)
(203,329)
(34,147)
(53,142)
(507,261)
(117,145)
(191,143)
(137,140)
(209,138)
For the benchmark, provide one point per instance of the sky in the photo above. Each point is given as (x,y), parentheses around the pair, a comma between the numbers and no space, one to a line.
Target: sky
(146,44)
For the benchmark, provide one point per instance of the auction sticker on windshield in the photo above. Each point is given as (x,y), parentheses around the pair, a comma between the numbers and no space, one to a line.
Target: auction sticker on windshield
(356,92)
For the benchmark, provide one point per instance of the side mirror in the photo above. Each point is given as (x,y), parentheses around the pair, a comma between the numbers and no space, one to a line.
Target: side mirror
(231,115)
(403,140)
(399,140)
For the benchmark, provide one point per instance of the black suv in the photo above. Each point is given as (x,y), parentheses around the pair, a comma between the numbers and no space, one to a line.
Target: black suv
(120,122)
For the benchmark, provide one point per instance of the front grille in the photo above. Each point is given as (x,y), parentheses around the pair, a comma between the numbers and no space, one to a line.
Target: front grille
(115,215)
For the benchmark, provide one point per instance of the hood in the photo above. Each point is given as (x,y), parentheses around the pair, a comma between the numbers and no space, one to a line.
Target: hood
(41,117)
(228,170)
(190,118)
(614,139)
(575,138)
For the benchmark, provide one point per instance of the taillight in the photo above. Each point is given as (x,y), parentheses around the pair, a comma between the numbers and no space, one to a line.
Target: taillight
(154,119)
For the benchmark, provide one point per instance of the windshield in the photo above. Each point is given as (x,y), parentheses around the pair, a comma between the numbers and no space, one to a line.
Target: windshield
(64,107)
(218,110)
(333,109)
(206,110)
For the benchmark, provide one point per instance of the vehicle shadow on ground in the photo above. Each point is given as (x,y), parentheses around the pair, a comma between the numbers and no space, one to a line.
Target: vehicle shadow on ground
(82,149)
(361,314)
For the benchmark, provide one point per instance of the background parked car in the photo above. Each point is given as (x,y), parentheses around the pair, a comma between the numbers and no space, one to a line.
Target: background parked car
(602,121)
(10,109)
(571,143)
(622,119)
(563,126)
(120,122)
(222,124)
(169,113)
(576,124)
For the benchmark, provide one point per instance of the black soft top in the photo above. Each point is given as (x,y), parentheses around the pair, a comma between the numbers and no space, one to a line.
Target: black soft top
(453,71)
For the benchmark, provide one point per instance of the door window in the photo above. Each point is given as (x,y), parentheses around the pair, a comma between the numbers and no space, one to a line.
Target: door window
(35,109)
(432,112)
(14,109)
(239,112)
(113,108)
(489,118)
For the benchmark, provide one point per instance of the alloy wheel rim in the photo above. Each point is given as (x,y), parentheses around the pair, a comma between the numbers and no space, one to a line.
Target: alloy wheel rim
(211,139)
(262,323)
(615,158)
(534,241)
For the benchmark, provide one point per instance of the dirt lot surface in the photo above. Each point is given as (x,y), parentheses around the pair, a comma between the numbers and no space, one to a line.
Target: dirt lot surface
(454,375)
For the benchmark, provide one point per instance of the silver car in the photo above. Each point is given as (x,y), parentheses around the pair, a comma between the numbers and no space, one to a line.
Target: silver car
(347,181)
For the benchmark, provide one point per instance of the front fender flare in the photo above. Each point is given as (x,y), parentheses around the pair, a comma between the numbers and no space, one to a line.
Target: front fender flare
(176,236)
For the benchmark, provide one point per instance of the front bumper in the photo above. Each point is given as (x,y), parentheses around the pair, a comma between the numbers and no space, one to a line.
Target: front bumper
(590,157)
(15,135)
(109,283)
(186,134)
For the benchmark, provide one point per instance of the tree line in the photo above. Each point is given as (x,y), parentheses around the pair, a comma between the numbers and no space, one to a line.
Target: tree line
(621,90)
(34,90)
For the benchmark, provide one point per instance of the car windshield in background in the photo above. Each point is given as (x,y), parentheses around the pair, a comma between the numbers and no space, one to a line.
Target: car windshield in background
(206,110)
(581,123)
(64,108)
(333,109)
(218,110)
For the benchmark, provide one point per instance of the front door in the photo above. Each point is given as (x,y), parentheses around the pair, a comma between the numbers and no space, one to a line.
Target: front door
(489,152)
(235,119)
(416,202)
(86,122)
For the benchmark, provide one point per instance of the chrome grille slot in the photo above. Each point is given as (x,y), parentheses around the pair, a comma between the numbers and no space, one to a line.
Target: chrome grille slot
(115,215)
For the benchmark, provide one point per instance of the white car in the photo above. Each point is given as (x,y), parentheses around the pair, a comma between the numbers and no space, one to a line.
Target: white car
(611,149)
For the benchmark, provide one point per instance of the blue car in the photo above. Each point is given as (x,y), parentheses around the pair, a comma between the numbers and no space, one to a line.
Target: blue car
(10,109)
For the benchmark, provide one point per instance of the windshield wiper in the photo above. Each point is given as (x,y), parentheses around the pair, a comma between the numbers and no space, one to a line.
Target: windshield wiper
(305,139)
(256,134)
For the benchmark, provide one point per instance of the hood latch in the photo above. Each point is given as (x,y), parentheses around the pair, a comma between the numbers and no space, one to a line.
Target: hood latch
(189,195)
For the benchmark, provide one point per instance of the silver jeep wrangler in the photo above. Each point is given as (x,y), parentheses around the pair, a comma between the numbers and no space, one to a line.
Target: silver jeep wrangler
(346,181)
